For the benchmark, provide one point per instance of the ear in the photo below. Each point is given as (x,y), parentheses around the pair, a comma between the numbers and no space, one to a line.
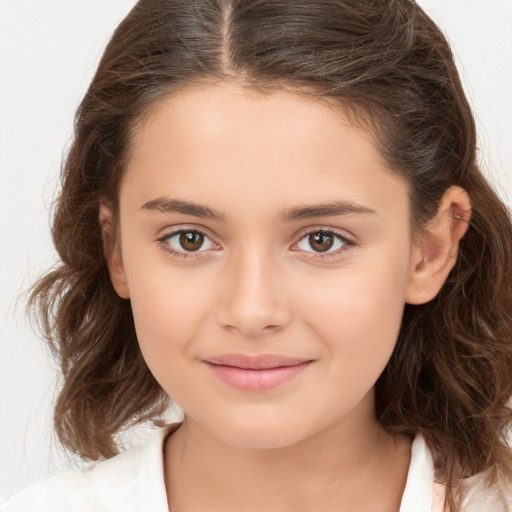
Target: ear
(435,253)
(112,251)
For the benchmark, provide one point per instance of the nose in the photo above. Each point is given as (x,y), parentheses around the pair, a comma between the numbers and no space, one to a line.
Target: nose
(253,295)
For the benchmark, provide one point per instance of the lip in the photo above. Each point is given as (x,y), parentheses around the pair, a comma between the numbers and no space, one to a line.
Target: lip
(255,373)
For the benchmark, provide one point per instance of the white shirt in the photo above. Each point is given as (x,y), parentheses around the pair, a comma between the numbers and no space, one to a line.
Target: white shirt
(133,481)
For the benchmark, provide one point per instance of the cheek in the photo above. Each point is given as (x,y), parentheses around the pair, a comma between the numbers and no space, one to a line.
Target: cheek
(168,314)
(358,314)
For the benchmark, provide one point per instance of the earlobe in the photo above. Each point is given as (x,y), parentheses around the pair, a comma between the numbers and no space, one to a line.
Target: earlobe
(112,251)
(436,252)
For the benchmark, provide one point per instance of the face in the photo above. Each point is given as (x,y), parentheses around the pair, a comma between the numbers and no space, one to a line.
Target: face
(266,251)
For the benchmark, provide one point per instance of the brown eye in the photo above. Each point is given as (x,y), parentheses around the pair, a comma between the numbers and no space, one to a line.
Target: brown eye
(187,243)
(321,242)
(191,241)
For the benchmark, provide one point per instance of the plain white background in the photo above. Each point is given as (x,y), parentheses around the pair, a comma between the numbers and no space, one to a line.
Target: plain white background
(48,53)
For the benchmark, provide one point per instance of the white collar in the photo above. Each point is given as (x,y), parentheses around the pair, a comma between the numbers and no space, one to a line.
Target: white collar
(417,495)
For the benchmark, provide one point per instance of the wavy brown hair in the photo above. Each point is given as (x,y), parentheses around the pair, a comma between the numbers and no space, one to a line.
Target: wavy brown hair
(450,375)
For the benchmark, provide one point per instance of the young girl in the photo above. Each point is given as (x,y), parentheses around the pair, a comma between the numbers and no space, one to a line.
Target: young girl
(272,214)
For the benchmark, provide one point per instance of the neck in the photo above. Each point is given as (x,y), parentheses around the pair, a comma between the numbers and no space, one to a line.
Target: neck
(358,469)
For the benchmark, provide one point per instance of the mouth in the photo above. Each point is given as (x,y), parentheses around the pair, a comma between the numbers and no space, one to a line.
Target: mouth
(255,373)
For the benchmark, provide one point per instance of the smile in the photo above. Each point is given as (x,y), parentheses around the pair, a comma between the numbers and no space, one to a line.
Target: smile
(255,373)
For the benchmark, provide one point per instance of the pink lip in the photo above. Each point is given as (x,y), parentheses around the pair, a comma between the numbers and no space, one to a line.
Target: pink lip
(255,373)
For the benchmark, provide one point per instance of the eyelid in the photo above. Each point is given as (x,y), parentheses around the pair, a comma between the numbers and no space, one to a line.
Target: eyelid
(342,233)
(170,230)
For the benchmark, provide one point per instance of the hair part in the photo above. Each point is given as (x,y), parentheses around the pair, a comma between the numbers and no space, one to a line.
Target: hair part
(387,63)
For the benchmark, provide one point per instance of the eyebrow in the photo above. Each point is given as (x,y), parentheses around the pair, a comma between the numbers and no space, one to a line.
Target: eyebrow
(325,210)
(167,205)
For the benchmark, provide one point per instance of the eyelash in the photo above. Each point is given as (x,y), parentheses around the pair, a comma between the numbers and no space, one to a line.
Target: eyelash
(348,244)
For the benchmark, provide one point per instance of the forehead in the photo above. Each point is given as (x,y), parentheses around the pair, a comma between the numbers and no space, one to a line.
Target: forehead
(239,141)
(211,109)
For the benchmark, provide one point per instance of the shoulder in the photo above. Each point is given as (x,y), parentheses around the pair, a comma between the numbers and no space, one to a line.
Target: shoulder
(130,481)
(53,493)
(423,492)
(478,496)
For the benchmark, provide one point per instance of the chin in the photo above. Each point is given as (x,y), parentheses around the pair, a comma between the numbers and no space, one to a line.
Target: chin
(258,434)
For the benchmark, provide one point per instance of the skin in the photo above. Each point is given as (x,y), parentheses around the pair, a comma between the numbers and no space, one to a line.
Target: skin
(257,286)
